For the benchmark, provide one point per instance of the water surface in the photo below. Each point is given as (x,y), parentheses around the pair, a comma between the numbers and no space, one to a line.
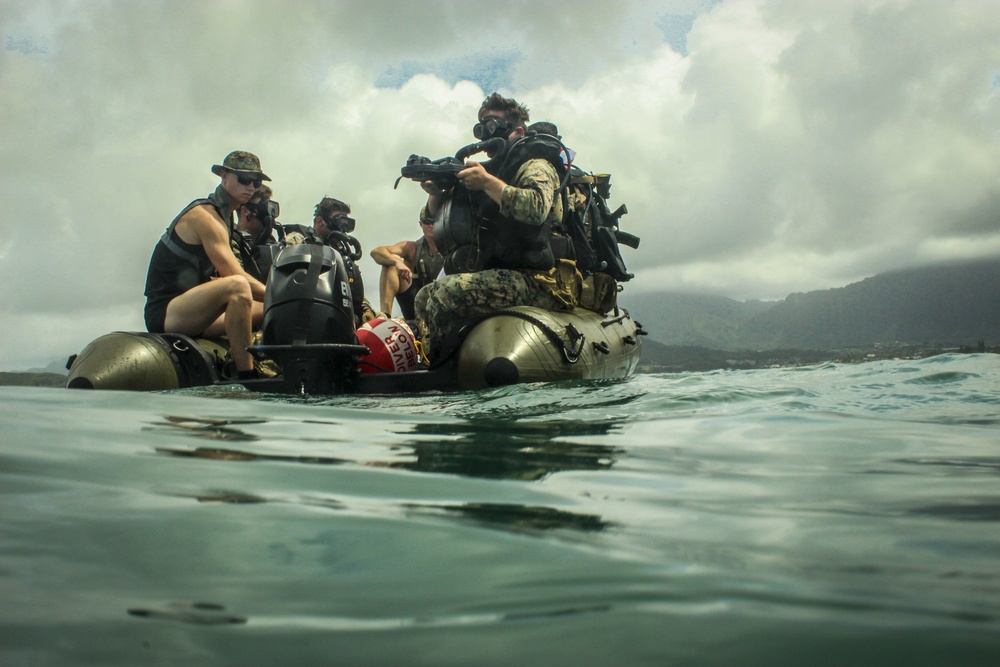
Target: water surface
(835,514)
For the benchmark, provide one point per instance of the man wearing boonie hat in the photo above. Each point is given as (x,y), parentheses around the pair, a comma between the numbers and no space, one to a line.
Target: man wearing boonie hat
(195,284)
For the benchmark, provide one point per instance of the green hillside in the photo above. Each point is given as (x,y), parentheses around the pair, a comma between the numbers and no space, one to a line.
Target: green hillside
(957,304)
(674,318)
(32,379)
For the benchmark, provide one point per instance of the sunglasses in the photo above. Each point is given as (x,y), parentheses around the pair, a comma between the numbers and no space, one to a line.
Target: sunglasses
(248,180)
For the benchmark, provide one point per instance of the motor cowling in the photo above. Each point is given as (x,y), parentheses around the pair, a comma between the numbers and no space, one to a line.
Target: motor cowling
(308,298)
(308,327)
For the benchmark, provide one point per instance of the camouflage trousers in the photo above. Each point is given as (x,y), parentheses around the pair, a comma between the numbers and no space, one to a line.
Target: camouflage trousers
(442,305)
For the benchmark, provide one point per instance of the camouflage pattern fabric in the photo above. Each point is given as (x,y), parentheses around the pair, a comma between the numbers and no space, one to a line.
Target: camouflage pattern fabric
(533,198)
(296,238)
(241,162)
(443,304)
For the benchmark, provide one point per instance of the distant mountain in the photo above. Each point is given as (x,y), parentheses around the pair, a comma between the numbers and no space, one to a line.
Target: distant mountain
(657,357)
(955,303)
(57,367)
(28,379)
(675,318)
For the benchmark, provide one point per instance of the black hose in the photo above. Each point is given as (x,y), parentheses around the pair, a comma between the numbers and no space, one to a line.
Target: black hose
(497,144)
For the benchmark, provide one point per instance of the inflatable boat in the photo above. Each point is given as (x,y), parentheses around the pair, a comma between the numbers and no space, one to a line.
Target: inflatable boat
(308,337)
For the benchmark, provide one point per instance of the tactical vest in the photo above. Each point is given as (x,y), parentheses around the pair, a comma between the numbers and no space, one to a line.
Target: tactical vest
(220,202)
(176,266)
(472,234)
(427,264)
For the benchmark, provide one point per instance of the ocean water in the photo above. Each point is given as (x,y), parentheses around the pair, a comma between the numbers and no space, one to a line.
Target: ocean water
(827,515)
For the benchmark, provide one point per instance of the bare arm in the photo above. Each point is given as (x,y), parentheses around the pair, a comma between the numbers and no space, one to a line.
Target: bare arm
(475,177)
(207,228)
(400,255)
(434,196)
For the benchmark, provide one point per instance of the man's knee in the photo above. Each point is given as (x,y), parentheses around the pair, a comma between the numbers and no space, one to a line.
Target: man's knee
(237,288)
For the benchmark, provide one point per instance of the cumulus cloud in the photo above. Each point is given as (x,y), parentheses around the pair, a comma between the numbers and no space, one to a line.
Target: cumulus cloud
(762,146)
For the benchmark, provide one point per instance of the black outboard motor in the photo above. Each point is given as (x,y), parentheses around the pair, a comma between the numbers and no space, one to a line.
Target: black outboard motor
(308,327)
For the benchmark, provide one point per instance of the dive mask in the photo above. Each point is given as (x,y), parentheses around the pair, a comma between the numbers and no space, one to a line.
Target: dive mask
(341,222)
(265,210)
(490,127)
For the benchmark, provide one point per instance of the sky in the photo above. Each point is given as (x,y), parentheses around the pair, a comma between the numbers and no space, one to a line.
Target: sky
(762,147)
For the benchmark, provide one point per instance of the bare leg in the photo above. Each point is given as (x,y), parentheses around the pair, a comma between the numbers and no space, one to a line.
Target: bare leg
(389,285)
(224,305)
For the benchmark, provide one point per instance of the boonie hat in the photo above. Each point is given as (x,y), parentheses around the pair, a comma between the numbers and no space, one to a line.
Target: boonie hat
(241,162)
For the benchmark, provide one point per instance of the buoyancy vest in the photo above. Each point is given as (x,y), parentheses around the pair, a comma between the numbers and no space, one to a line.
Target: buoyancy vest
(176,266)
(427,263)
(473,235)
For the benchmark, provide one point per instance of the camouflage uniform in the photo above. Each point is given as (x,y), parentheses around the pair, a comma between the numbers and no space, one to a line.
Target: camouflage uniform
(530,199)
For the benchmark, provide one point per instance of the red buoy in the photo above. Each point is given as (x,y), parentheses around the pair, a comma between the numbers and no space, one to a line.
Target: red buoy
(392,346)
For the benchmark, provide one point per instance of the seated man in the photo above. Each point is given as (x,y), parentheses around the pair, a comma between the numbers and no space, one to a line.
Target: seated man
(516,209)
(332,226)
(329,215)
(406,267)
(255,222)
(257,218)
(195,284)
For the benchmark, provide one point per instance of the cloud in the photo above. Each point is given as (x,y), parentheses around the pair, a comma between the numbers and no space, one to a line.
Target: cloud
(762,147)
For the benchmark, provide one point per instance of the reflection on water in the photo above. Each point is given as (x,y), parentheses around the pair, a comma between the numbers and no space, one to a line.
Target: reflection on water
(980,509)
(194,613)
(225,496)
(478,447)
(504,449)
(241,455)
(518,518)
(214,429)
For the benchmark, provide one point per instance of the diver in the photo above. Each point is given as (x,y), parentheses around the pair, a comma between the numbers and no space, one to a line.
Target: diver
(513,206)
(255,245)
(406,267)
(332,226)
(195,284)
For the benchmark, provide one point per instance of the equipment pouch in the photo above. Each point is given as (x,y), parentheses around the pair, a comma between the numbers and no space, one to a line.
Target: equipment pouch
(599,293)
(563,281)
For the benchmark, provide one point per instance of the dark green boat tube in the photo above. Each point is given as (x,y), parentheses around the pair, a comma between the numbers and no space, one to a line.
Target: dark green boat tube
(532,345)
(139,361)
